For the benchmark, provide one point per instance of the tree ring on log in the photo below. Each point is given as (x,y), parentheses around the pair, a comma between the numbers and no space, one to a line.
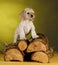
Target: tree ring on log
(22,45)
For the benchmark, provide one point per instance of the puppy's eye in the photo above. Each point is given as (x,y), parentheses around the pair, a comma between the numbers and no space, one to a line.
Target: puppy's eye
(28,13)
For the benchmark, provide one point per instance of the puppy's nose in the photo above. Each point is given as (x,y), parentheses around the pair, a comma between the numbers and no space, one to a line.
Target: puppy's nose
(31,15)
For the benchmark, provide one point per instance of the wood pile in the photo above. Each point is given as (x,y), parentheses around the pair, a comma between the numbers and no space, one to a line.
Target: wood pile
(36,50)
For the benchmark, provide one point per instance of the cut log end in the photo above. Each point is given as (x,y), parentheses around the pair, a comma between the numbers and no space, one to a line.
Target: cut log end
(40,57)
(36,46)
(22,45)
(13,54)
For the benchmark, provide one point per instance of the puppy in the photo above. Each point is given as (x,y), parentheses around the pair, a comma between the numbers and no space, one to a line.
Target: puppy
(26,25)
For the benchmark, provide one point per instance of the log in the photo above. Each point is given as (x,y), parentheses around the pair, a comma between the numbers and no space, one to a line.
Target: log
(40,57)
(12,53)
(36,45)
(42,38)
(22,45)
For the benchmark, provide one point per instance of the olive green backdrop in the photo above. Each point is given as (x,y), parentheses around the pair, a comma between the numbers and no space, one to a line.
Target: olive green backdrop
(46,20)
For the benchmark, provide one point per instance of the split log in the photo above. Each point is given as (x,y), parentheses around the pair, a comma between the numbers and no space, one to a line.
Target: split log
(42,38)
(13,54)
(22,45)
(40,57)
(36,45)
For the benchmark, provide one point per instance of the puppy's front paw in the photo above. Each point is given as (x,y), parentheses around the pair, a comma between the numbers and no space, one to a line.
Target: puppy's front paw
(24,38)
(36,36)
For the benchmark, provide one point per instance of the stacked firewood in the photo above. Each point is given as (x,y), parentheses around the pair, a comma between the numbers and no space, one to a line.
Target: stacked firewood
(29,50)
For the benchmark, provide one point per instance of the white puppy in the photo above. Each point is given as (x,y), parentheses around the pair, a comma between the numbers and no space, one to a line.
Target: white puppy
(26,25)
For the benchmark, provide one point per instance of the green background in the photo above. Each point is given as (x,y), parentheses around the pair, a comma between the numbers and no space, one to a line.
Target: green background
(46,19)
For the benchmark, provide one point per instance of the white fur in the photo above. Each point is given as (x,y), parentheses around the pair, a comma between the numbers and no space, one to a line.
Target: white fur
(24,28)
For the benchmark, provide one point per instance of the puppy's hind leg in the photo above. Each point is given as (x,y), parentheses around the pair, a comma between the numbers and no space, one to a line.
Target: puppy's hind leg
(15,37)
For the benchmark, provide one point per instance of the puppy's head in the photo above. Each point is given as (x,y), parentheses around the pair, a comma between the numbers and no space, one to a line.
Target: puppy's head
(27,14)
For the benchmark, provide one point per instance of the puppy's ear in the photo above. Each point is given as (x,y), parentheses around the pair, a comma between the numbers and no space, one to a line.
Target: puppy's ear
(22,15)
